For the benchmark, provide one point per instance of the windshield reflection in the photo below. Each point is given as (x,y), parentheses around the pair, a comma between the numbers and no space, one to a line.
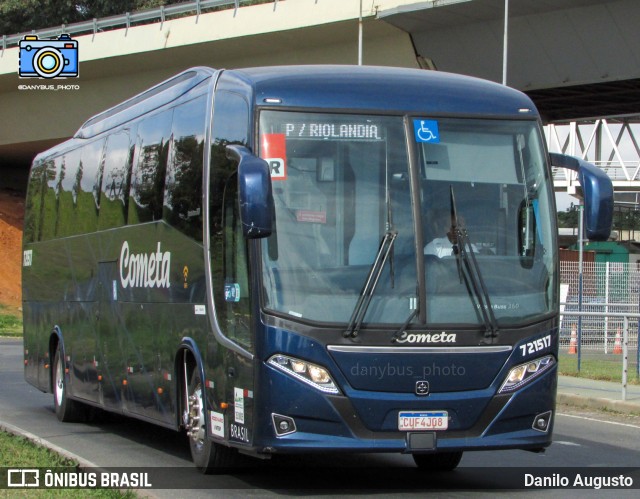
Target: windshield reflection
(340,182)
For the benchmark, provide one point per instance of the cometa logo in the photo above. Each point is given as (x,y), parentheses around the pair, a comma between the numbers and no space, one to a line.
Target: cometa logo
(442,337)
(144,270)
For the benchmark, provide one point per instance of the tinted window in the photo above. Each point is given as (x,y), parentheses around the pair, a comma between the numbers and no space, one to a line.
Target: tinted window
(150,164)
(68,166)
(78,184)
(116,172)
(183,184)
(38,189)
(236,309)
(231,290)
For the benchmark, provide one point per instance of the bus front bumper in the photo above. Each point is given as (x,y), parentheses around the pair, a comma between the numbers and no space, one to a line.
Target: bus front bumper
(365,421)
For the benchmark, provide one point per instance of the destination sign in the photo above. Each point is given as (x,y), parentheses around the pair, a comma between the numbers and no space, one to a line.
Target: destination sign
(334,130)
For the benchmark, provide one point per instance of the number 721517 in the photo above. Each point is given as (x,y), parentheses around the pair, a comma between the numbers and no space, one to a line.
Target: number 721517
(535,346)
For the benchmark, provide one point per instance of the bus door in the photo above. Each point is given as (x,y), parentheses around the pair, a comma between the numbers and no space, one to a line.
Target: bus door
(230,362)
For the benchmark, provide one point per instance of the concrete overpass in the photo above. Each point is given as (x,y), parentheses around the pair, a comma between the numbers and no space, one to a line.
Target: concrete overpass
(576,58)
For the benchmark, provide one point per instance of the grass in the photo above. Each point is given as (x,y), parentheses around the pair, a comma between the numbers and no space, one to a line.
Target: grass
(10,322)
(19,452)
(605,367)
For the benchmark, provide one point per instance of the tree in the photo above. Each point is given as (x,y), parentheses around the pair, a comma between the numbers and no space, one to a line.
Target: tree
(569,218)
(25,15)
(19,16)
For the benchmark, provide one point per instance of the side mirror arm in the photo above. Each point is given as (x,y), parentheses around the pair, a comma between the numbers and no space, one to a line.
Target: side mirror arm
(597,190)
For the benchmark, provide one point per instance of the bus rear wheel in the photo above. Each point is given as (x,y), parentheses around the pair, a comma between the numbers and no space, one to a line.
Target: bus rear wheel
(67,411)
(209,457)
(440,461)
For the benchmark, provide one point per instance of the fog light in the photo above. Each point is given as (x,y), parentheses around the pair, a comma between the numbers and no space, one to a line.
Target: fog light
(541,421)
(283,425)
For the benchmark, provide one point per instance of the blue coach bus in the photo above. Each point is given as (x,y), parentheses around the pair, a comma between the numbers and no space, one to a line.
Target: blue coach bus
(305,259)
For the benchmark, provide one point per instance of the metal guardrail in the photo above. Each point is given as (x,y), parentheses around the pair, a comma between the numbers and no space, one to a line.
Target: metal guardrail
(624,340)
(146,16)
(627,171)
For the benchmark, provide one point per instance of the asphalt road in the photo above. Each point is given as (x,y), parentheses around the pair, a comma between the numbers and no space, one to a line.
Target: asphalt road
(581,440)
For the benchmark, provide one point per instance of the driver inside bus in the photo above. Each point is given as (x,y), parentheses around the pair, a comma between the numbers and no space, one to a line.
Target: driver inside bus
(439,222)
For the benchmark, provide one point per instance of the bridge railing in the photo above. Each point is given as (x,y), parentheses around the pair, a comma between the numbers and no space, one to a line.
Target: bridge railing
(617,171)
(611,144)
(129,19)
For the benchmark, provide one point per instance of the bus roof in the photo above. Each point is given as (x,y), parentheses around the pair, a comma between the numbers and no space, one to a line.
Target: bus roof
(153,98)
(381,89)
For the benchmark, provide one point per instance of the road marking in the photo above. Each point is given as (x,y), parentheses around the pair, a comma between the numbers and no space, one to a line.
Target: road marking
(600,420)
(564,442)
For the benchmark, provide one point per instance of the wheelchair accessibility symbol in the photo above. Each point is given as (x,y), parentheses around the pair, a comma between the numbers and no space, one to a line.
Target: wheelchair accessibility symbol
(426,131)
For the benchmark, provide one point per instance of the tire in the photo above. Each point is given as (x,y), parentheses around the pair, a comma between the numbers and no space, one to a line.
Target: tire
(209,457)
(440,461)
(67,410)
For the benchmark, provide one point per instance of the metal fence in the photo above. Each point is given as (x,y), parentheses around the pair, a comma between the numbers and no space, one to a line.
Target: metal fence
(600,335)
(129,19)
(607,288)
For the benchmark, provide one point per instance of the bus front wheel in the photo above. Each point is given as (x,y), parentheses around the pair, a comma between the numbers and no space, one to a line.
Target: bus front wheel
(440,461)
(209,457)
(67,411)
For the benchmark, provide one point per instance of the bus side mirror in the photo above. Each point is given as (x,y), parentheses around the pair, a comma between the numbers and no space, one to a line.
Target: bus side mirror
(597,190)
(254,192)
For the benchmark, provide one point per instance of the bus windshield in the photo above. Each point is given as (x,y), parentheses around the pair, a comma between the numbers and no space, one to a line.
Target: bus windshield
(346,194)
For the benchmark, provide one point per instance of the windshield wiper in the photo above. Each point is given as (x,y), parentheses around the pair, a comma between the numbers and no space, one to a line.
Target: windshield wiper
(360,310)
(469,271)
(396,336)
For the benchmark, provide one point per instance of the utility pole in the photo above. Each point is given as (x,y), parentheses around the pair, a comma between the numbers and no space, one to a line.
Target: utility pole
(505,42)
(360,35)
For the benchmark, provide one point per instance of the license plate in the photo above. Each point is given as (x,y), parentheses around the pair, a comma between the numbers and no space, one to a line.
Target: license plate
(416,421)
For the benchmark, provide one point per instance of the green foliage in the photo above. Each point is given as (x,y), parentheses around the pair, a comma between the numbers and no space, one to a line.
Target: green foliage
(24,15)
(569,218)
(10,325)
(624,218)
(18,452)
(10,322)
(605,367)
(19,16)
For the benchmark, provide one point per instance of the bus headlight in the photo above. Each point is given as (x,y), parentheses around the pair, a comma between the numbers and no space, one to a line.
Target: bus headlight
(522,374)
(309,373)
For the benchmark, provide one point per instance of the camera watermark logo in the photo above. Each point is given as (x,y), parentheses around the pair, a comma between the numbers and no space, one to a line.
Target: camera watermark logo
(54,58)
(23,478)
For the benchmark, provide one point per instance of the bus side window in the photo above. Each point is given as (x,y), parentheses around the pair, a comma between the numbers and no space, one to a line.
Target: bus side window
(149,168)
(117,168)
(88,187)
(34,209)
(69,166)
(237,308)
(183,183)
(77,179)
